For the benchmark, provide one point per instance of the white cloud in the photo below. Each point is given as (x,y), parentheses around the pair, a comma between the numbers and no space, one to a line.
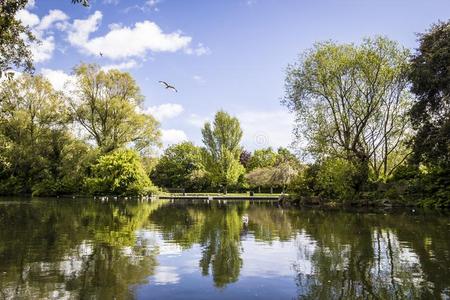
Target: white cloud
(173,136)
(60,80)
(54,15)
(27,18)
(129,41)
(165,111)
(42,51)
(266,128)
(81,29)
(130,64)
(124,42)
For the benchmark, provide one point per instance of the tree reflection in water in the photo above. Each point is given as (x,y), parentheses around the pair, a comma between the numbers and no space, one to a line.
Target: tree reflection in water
(90,249)
(60,249)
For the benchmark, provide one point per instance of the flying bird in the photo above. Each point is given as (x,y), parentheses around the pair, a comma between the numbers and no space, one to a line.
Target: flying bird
(101,54)
(168,86)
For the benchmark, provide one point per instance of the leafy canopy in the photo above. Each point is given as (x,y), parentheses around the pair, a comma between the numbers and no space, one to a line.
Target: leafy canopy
(108,105)
(430,76)
(351,102)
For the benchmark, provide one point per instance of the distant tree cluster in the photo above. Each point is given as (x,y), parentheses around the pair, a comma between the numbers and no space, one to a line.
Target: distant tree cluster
(222,164)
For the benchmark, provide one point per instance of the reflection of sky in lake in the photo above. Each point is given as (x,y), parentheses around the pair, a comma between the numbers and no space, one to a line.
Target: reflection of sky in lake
(263,273)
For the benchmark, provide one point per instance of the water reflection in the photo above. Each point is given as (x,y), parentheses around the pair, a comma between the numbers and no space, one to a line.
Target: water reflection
(105,250)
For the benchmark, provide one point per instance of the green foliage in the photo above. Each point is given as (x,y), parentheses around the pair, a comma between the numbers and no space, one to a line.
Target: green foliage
(332,180)
(119,173)
(39,155)
(430,76)
(111,117)
(222,150)
(351,101)
(336,179)
(262,158)
(13,38)
(180,167)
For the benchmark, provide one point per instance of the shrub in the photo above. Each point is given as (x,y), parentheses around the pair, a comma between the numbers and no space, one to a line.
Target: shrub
(119,173)
(336,178)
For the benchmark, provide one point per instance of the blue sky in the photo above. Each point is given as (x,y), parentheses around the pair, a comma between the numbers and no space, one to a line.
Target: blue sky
(220,54)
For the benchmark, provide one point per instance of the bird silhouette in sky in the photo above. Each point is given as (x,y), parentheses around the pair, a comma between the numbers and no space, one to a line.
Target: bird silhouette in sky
(101,54)
(168,86)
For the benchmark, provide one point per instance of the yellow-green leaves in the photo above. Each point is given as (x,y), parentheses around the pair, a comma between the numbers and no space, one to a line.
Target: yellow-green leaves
(107,105)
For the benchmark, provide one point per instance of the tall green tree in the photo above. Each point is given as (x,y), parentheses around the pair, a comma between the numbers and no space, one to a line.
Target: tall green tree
(351,102)
(430,76)
(222,149)
(108,105)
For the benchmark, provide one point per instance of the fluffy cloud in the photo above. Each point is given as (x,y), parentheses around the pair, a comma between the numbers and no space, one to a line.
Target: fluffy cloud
(54,15)
(165,111)
(81,29)
(27,18)
(42,51)
(60,80)
(173,136)
(124,42)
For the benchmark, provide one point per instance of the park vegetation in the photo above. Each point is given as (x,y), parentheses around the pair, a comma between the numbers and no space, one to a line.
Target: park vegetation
(372,126)
(374,120)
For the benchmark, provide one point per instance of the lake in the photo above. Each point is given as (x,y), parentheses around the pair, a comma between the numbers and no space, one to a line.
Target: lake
(89,249)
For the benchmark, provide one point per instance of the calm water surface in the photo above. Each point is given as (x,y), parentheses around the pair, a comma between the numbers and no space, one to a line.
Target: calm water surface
(86,249)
